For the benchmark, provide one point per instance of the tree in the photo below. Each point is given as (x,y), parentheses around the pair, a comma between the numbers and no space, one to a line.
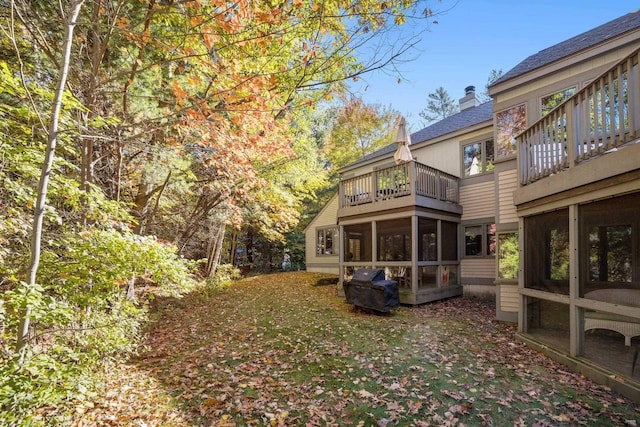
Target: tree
(440,106)
(39,209)
(358,129)
(191,101)
(191,80)
(494,75)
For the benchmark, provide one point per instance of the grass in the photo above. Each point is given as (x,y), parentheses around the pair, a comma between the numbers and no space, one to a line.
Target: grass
(277,350)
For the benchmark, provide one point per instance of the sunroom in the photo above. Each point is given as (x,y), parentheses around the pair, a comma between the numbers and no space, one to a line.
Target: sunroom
(403,219)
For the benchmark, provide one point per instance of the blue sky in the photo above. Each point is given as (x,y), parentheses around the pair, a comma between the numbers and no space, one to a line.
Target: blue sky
(472,37)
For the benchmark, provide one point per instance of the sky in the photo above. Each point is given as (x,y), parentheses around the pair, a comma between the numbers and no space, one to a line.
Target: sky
(473,37)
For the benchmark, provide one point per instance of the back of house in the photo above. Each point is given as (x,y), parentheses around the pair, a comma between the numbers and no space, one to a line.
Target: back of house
(533,197)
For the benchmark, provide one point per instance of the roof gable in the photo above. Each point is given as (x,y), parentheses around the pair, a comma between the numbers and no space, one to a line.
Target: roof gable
(321,211)
(593,37)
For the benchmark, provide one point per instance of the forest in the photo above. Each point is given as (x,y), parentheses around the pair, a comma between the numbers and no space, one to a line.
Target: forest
(165,145)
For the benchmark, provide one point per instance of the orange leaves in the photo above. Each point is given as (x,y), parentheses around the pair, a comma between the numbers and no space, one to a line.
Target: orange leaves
(196,20)
(122,22)
(192,114)
(132,396)
(273,80)
(272,17)
(179,93)
(310,52)
(210,40)
(277,350)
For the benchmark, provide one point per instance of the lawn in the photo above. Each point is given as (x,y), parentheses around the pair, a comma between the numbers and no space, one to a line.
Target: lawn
(278,350)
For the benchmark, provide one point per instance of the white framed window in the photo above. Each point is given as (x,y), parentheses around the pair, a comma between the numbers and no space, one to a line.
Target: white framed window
(327,241)
(479,240)
(509,123)
(477,158)
(551,101)
(508,256)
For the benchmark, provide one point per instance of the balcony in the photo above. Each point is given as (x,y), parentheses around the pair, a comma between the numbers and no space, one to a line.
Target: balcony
(597,120)
(404,185)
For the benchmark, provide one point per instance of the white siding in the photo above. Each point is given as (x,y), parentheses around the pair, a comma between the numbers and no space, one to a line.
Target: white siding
(478,268)
(507,184)
(361,170)
(477,200)
(508,298)
(444,156)
(328,216)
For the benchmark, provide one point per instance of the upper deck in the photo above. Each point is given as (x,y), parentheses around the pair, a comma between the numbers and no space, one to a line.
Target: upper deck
(409,184)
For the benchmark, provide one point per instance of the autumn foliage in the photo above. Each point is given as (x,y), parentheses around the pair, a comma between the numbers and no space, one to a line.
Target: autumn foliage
(182,125)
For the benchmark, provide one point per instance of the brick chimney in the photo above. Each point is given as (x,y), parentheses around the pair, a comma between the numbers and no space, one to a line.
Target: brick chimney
(469,99)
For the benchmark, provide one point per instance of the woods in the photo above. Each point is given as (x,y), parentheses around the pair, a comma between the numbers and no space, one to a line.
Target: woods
(143,144)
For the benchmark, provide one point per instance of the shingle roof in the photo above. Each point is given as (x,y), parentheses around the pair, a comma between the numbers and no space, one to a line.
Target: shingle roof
(453,123)
(615,28)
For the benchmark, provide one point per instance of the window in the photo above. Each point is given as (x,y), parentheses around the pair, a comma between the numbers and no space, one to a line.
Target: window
(477,158)
(559,254)
(508,256)
(480,240)
(327,241)
(509,123)
(549,102)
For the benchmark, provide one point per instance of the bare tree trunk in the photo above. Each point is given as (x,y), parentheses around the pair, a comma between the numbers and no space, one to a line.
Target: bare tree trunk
(145,215)
(86,165)
(232,249)
(100,36)
(215,250)
(36,235)
(118,183)
(131,290)
(211,247)
(203,206)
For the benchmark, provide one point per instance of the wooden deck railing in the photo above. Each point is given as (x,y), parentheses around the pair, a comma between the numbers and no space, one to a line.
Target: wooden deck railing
(410,178)
(602,116)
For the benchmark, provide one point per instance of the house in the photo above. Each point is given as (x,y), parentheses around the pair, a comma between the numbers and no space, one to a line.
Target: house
(420,198)
(322,240)
(533,197)
(567,122)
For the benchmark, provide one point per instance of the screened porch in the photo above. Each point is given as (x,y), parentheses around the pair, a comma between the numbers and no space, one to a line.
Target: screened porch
(419,252)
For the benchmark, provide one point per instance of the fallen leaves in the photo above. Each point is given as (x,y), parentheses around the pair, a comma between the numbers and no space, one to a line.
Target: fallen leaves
(277,350)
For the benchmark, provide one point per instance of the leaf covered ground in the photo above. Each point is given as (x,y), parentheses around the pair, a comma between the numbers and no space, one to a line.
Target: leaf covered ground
(278,350)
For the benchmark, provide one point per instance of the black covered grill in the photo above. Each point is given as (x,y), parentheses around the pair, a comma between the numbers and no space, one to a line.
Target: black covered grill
(369,289)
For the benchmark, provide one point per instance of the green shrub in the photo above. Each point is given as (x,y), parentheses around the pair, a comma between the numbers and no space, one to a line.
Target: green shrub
(81,318)
(225,275)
